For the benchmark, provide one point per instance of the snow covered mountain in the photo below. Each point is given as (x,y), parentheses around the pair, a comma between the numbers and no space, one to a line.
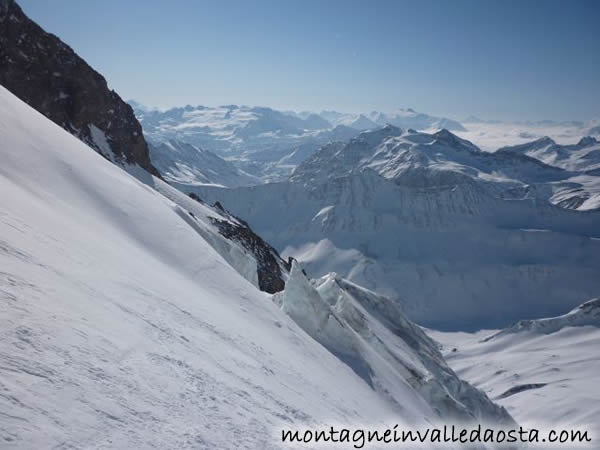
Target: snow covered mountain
(184,165)
(131,318)
(403,118)
(264,142)
(458,236)
(582,160)
(543,371)
(47,74)
(424,160)
(228,129)
(581,157)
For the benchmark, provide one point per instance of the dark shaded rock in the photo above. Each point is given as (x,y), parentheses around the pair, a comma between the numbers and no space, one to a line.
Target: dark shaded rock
(47,74)
(195,197)
(520,388)
(270,266)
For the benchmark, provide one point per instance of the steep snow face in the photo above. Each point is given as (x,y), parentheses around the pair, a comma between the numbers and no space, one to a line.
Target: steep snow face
(370,334)
(543,371)
(184,165)
(122,327)
(454,256)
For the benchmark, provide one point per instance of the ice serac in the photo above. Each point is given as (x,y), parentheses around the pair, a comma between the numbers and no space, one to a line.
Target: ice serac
(369,333)
(48,75)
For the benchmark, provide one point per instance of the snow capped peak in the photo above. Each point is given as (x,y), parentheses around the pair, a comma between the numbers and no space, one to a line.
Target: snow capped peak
(419,159)
(543,141)
(587,141)
(581,157)
(446,137)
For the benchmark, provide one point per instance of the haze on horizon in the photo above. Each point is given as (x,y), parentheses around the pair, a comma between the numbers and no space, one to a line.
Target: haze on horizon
(504,60)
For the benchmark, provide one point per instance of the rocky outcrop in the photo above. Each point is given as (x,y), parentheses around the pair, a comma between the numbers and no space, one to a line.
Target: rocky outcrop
(47,74)
(272,270)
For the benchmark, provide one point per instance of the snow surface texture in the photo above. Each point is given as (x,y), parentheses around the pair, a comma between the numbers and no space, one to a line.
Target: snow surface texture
(545,372)
(123,328)
(460,237)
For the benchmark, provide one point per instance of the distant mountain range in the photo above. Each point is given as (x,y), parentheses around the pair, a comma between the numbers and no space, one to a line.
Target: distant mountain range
(266,143)
(435,223)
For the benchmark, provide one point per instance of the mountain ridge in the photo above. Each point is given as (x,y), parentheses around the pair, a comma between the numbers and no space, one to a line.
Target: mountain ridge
(48,75)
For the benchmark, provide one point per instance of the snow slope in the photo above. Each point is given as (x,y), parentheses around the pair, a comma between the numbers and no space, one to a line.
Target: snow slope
(122,328)
(543,371)
(124,325)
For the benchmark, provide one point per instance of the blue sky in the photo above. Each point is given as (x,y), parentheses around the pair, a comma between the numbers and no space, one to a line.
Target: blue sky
(495,59)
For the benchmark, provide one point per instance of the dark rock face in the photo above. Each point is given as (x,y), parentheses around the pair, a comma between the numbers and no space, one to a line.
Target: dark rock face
(48,75)
(270,266)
